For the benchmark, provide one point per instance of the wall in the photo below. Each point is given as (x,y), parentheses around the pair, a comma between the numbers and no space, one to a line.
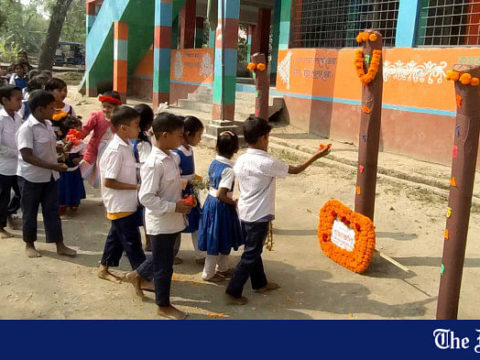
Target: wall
(321,88)
(189,70)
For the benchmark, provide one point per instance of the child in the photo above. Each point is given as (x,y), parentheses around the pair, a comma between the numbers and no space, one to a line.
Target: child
(58,88)
(103,132)
(19,78)
(119,193)
(256,171)
(70,186)
(35,83)
(161,194)
(192,134)
(142,147)
(10,122)
(219,229)
(38,171)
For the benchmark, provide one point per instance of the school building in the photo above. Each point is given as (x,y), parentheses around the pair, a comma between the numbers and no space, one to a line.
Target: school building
(163,50)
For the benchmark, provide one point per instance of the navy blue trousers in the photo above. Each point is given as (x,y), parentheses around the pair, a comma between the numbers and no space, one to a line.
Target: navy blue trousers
(251,264)
(124,235)
(32,196)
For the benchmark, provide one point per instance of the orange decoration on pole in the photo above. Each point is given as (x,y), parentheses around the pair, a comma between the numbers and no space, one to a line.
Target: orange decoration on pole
(365,109)
(446,234)
(359,191)
(459,101)
(453,182)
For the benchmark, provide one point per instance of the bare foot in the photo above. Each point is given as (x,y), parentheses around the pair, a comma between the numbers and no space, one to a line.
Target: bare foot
(177,261)
(66,251)
(171,312)
(215,279)
(104,274)
(232,300)
(147,285)
(31,251)
(269,287)
(136,280)
(4,234)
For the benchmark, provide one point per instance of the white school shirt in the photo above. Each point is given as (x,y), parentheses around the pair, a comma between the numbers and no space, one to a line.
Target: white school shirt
(42,140)
(160,190)
(8,146)
(256,171)
(118,163)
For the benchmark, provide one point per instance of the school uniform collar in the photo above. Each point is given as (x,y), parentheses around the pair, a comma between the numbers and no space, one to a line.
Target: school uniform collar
(3,113)
(224,160)
(160,153)
(32,121)
(187,151)
(256,152)
(118,141)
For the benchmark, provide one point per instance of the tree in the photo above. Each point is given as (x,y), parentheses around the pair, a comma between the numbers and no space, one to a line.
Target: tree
(47,54)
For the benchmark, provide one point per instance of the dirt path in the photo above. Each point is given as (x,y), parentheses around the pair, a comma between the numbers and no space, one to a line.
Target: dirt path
(409,224)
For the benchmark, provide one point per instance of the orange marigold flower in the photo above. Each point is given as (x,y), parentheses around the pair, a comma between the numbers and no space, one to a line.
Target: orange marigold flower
(261,66)
(359,38)
(459,101)
(364,36)
(465,78)
(365,109)
(475,81)
(373,37)
(453,75)
(59,115)
(251,66)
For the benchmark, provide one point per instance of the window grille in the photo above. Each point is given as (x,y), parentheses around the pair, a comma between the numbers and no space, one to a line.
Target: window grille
(336,23)
(449,23)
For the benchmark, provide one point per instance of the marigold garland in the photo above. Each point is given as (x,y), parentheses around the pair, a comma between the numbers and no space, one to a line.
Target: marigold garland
(365,36)
(74,136)
(261,67)
(465,78)
(251,66)
(59,116)
(372,69)
(359,259)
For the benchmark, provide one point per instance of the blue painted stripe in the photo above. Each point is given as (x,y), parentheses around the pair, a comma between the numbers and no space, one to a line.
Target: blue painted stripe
(232,10)
(163,13)
(120,49)
(284,37)
(407,22)
(162,57)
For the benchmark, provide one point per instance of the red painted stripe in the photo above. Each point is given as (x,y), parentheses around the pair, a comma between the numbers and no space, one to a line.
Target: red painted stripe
(162,37)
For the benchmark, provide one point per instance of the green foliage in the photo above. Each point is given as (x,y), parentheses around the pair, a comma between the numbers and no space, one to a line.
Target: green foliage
(8,51)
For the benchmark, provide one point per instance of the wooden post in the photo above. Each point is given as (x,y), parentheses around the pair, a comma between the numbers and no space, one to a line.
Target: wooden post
(464,158)
(262,86)
(369,138)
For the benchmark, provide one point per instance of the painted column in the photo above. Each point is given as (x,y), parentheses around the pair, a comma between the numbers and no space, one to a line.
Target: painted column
(472,31)
(464,158)
(262,33)
(91,14)
(187,24)
(224,88)
(199,32)
(211,38)
(175,33)
(275,39)
(161,52)
(285,25)
(120,58)
(407,23)
(262,85)
(251,32)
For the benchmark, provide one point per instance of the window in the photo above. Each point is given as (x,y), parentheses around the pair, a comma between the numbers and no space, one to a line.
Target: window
(449,23)
(335,23)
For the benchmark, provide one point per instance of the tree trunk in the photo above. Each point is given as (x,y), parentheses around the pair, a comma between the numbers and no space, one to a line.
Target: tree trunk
(47,54)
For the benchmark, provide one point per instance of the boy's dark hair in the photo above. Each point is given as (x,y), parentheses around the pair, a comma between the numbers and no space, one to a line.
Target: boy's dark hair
(17,64)
(32,73)
(40,98)
(55,84)
(166,122)
(7,91)
(47,73)
(36,83)
(146,119)
(112,94)
(254,128)
(123,115)
(191,125)
(227,144)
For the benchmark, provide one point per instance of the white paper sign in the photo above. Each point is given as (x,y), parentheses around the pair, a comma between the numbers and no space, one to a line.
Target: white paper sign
(343,236)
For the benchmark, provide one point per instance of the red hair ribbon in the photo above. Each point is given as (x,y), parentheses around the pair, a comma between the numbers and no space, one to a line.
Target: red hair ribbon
(110,100)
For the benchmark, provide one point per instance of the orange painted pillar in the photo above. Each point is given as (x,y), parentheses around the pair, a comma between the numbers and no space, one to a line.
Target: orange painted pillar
(120,58)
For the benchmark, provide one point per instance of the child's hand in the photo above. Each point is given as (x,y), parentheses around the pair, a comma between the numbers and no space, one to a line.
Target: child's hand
(59,167)
(182,207)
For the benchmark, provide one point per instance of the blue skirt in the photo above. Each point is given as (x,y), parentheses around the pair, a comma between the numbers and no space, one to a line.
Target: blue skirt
(219,229)
(70,188)
(195,214)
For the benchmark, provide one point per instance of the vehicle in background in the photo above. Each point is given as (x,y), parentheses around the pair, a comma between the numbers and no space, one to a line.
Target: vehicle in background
(69,53)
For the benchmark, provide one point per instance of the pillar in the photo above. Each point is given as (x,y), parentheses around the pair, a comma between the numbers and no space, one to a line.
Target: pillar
(472,35)
(251,31)
(199,32)
(407,23)
(187,24)
(161,52)
(285,25)
(275,39)
(297,25)
(120,58)
(224,87)
(91,14)
(175,33)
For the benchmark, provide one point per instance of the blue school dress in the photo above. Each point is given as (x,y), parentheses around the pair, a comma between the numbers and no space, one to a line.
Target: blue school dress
(187,171)
(219,229)
(70,186)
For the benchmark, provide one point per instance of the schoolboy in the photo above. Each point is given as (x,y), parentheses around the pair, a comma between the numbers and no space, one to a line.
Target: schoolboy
(38,173)
(256,171)
(161,194)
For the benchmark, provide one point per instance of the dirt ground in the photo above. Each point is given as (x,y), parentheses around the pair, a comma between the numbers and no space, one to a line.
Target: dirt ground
(409,223)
